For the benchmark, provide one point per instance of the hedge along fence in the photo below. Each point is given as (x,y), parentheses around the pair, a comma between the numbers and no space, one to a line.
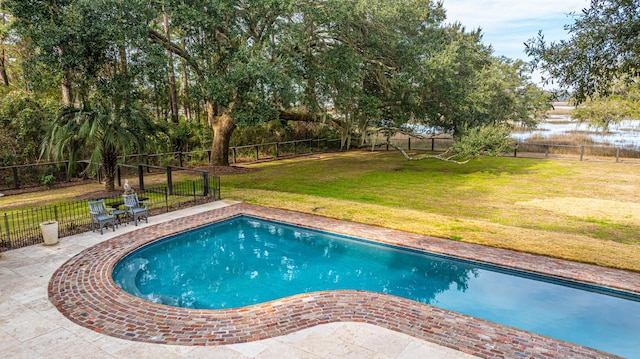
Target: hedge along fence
(20,228)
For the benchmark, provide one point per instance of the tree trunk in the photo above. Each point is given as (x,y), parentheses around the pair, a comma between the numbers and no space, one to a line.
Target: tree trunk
(67,91)
(223,127)
(184,85)
(3,69)
(173,93)
(109,166)
(4,79)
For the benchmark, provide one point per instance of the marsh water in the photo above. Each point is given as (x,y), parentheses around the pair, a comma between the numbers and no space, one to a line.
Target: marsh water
(626,134)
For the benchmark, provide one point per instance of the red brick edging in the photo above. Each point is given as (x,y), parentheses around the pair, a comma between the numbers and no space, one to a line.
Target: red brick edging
(84,291)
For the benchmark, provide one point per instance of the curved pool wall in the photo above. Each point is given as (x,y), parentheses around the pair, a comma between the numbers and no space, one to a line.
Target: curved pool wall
(245,261)
(84,291)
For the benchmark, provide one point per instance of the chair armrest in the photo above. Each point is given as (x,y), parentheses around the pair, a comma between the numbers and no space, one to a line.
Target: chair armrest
(110,210)
(145,204)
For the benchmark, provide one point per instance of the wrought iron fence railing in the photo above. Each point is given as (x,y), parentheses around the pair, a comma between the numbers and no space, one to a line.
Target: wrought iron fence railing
(34,175)
(20,228)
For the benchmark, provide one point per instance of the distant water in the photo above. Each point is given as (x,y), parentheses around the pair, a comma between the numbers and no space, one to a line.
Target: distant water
(624,135)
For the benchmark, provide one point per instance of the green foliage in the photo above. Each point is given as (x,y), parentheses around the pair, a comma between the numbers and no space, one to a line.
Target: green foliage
(279,131)
(604,46)
(24,116)
(357,65)
(622,104)
(485,141)
(48,180)
(183,136)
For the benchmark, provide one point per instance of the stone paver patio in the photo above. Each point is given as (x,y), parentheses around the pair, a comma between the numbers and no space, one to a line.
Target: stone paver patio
(31,327)
(313,325)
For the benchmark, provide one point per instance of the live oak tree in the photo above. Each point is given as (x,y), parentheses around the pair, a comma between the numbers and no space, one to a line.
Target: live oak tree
(600,63)
(604,47)
(360,65)
(622,103)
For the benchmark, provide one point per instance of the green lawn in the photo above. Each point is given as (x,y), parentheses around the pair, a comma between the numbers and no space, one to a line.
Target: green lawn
(582,211)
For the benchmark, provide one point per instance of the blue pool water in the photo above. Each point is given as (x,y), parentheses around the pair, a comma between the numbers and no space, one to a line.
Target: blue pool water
(244,261)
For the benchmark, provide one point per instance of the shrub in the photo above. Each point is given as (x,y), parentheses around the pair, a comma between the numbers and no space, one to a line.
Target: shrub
(47,180)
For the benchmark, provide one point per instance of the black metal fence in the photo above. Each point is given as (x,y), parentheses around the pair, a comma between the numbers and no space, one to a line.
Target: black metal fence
(435,144)
(21,228)
(34,175)
(581,152)
(273,150)
(530,150)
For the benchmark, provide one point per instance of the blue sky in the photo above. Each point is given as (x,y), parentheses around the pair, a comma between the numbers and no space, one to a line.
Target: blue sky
(506,24)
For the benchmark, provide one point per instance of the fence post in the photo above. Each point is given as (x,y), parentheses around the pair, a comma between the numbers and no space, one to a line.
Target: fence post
(581,152)
(546,151)
(205,179)
(234,155)
(166,199)
(141,177)
(16,181)
(277,150)
(515,151)
(409,143)
(119,176)
(194,191)
(617,155)
(209,155)
(180,154)
(169,180)
(294,148)
(433,144)
(257,152)
(6,227)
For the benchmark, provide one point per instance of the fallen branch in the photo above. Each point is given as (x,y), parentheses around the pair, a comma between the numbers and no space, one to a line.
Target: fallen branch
(442,156)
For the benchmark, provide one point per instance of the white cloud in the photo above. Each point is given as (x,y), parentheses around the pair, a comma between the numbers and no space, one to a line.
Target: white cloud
(506,24)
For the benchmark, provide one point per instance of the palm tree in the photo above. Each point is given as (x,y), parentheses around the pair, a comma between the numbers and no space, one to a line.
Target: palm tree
(104,129)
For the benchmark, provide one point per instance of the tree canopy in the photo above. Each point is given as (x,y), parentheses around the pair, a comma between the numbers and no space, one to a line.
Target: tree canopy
(604,47)
(357,65)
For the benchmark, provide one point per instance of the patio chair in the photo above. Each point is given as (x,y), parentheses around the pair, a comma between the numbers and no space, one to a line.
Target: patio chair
(135,208)
(101,215)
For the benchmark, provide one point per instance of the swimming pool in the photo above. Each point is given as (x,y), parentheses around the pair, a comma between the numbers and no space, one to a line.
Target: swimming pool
(270,257)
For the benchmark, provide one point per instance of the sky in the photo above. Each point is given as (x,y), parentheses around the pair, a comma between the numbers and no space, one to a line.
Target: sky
(507,24)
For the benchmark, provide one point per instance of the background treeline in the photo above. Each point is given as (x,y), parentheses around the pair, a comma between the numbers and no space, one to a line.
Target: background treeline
(103,78)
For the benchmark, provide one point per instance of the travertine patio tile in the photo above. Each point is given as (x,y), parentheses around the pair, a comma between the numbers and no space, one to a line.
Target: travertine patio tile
(249,349)
(218,352)
(26,324)
(345,350)
(319,344)
(45,343)
(31,318)
(276,350)
(16,350)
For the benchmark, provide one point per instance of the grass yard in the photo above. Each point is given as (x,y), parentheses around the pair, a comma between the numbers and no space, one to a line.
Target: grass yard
(582,211)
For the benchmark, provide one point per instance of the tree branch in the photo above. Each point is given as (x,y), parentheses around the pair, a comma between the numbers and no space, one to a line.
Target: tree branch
(168,45)
(441,156)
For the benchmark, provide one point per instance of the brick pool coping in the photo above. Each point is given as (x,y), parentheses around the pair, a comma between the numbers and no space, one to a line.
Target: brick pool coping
(84,291)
